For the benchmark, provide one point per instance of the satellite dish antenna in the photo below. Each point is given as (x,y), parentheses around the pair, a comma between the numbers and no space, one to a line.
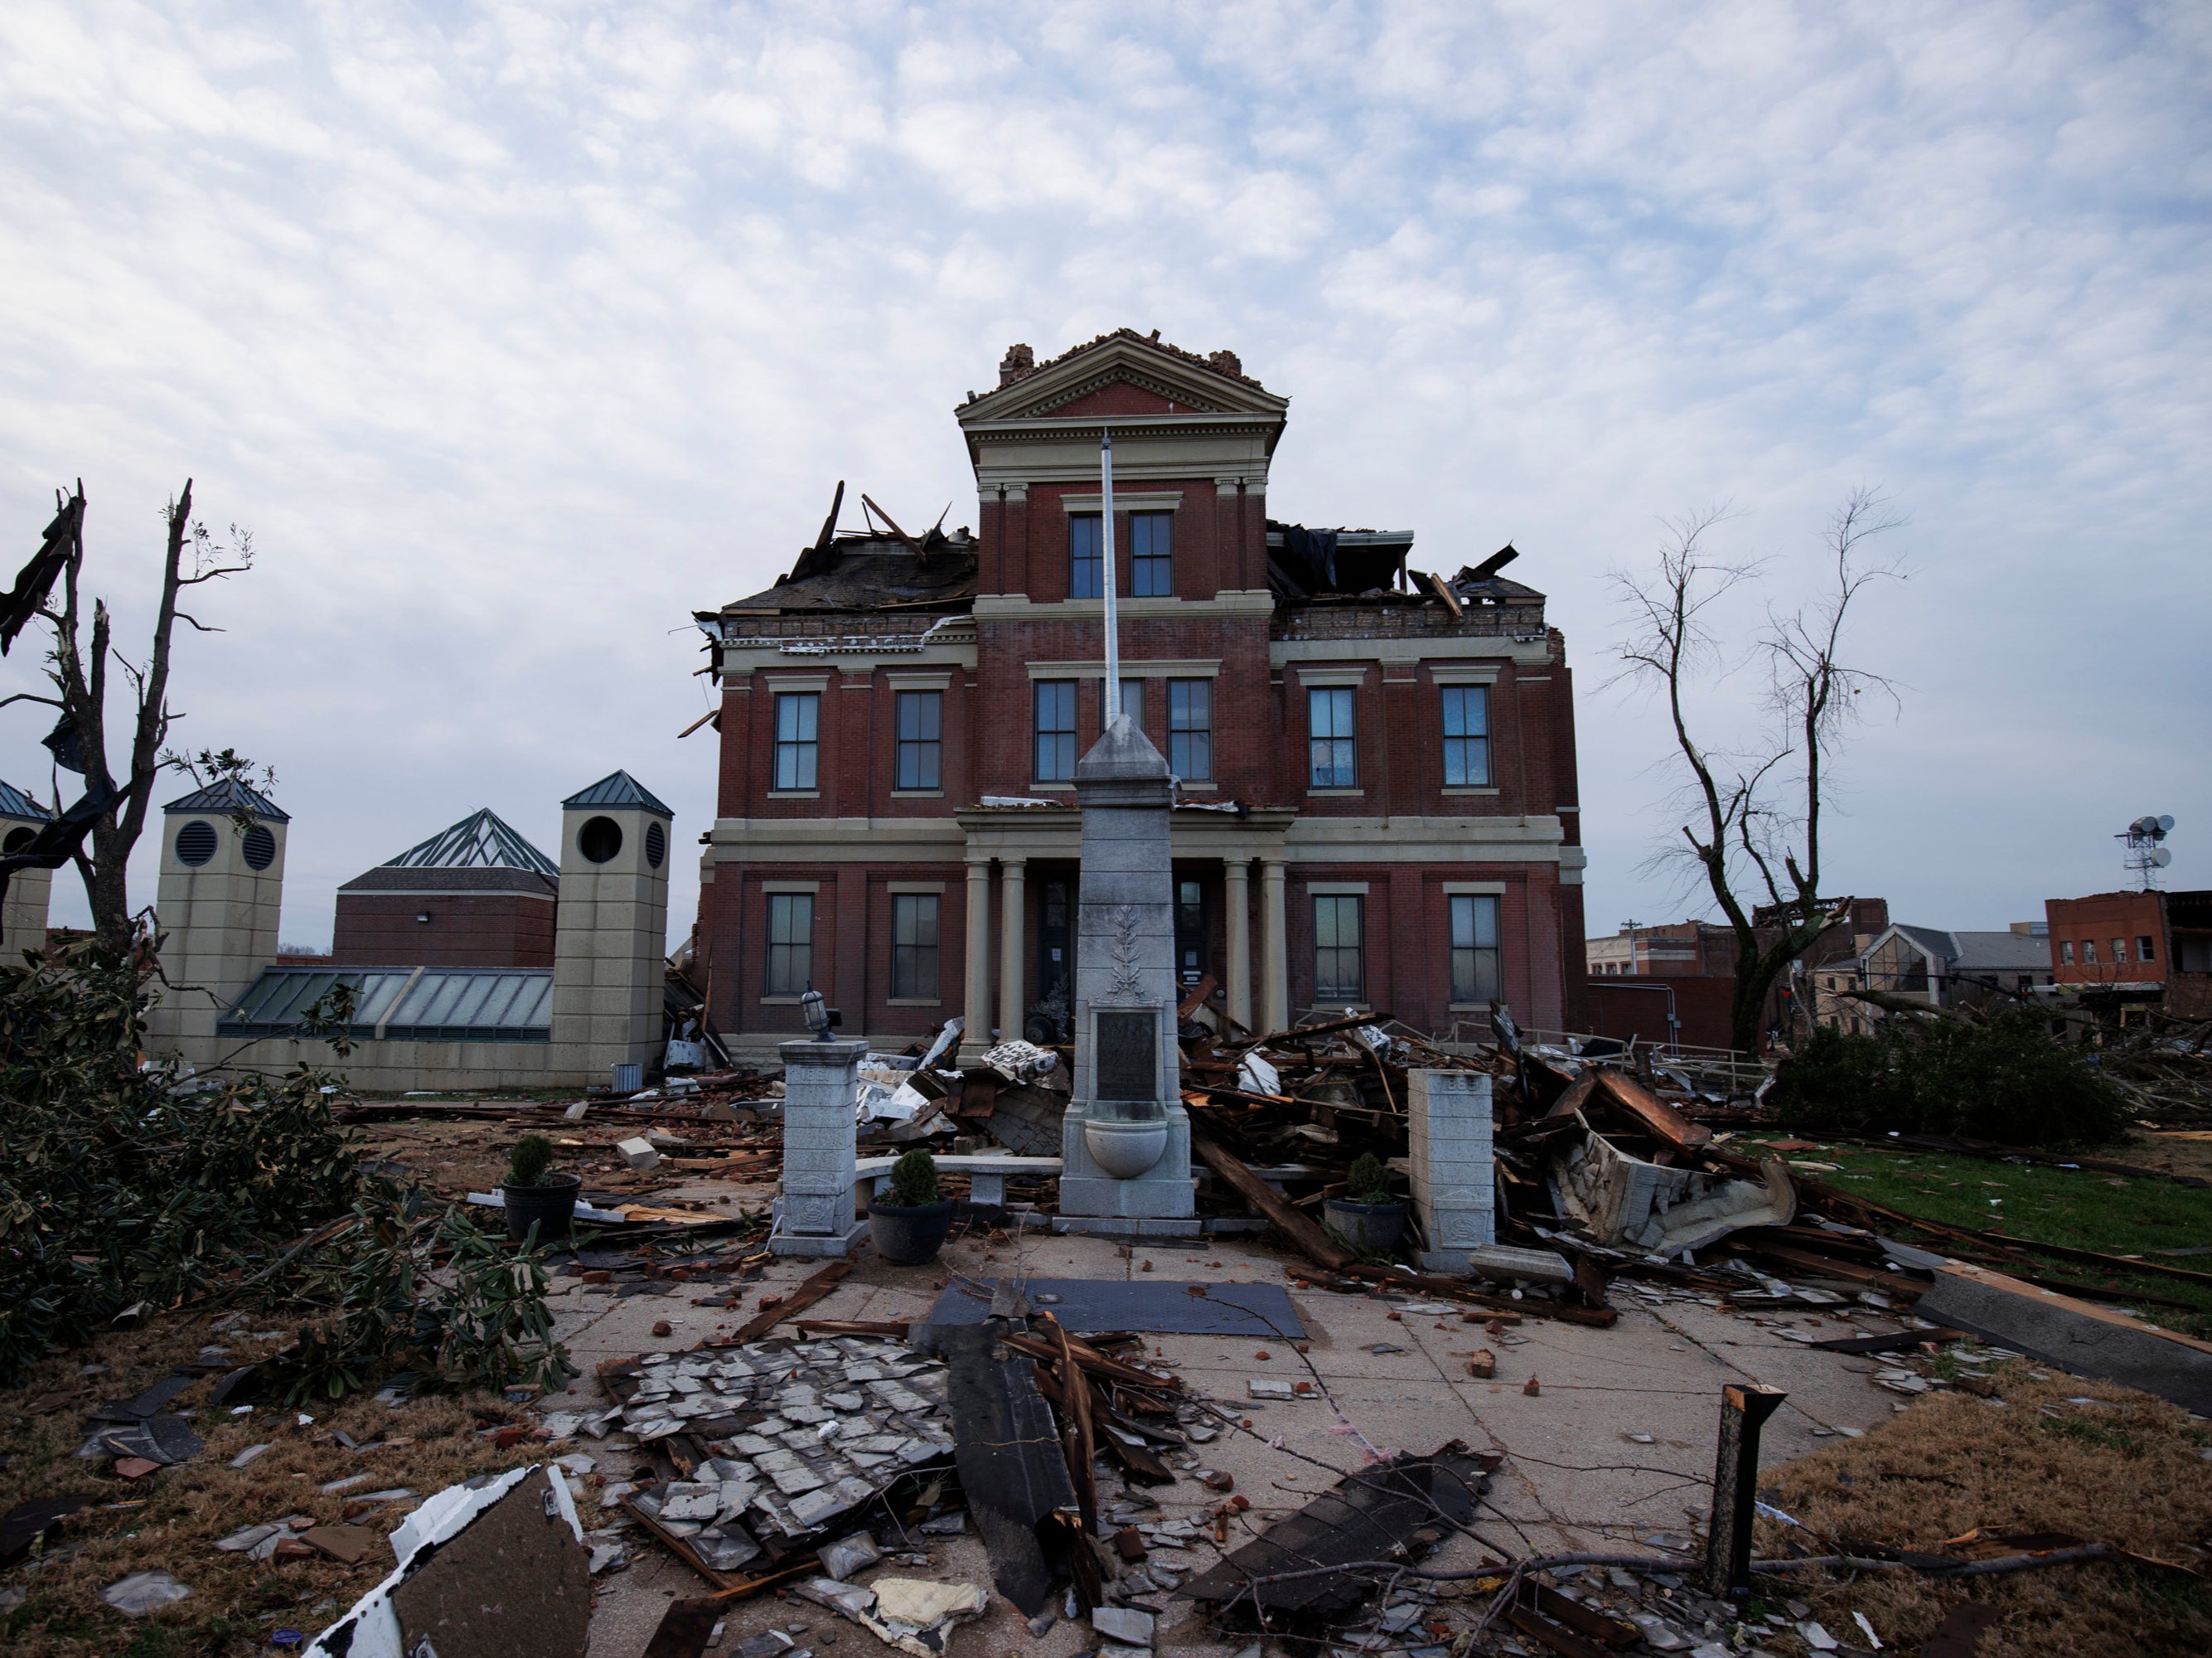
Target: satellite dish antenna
(2159,858)
(2165,823)
(2145,856)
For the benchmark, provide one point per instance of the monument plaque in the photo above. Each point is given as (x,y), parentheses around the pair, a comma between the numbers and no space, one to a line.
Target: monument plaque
(1128,1055)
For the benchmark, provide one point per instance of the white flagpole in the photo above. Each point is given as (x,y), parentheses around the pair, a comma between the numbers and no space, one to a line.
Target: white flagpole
(1106,523)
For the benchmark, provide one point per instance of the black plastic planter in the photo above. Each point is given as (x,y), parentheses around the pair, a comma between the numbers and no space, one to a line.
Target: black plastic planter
(1375,1227)
(551,1204)
(909,1237)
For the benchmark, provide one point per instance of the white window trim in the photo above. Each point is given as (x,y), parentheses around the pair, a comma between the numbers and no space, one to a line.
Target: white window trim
(1335,791)
(1470,788)
(794,794)
(1336,889)
(911,887)
(1124,501)
(791,887)
(1473,889)
(919,681)
(1456,675)
(1324,679)
(917,793)
(799,682)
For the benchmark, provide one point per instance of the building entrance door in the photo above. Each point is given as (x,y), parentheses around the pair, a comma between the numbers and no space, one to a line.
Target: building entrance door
(1053,1016)
(1190,931)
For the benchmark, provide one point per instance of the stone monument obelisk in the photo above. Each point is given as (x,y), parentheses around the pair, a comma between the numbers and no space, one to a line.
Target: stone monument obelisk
(1124,1142)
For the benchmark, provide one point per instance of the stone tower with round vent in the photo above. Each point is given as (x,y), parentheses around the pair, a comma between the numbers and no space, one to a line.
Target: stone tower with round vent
(23,919)
(610,951)
(221,887)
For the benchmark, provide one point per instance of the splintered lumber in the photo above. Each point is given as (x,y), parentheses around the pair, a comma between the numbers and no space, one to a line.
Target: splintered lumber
(811,1291)
(1657,1116)
(1076,1440)
(854,1327)
(1092,1360)
(1601,1318)
(1312,1241)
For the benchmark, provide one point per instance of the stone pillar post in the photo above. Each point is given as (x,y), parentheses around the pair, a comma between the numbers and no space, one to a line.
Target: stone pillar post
(976,1038)
(1011,915)
(814,1213)
(1447,1149)
(1236,900)
(1274,950)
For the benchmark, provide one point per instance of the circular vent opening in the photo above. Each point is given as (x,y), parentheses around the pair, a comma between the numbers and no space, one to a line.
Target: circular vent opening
(260,848)
(656,843)
(599,839)
(196,843)
(17,840)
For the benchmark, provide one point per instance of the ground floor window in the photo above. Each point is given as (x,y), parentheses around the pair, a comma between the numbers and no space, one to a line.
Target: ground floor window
(914,947)
(790,942)
(1474,955)
(1340,953)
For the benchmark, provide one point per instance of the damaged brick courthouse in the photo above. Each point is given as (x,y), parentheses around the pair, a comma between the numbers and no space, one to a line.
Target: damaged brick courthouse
(1376,803)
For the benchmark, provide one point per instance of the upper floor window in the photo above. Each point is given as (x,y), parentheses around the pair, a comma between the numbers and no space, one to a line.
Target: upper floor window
(2119,950)
(2144,951)
(1474,955)
(1330,734)
(1055,730)
(1085,557)
(1339,956)
(1132,702)
(790,943)
(1466,735)
(2065,952)
(1190,729)
(1151,554)
(2089,950)
(920,739)
(914,946)
(798,742)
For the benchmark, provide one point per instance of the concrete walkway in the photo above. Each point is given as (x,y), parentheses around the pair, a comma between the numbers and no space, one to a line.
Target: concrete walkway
(1616,1446)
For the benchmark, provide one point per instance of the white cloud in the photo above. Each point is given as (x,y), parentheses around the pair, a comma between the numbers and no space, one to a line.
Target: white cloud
(517,331)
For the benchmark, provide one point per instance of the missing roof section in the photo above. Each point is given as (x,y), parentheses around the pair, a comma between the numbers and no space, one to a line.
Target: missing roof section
(1335,565)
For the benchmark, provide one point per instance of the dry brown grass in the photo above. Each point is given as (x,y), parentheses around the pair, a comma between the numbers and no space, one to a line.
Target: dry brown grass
(2131,1475)
(235,1602)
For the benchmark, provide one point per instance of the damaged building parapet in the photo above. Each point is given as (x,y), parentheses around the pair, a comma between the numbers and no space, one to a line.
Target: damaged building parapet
(1448,1134)
(815,1214)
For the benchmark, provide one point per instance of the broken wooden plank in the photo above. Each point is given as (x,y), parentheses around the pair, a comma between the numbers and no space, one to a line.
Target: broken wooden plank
(1661,1119)
(854,1327)
(1444,591)
(1312,1241)
(809,1292)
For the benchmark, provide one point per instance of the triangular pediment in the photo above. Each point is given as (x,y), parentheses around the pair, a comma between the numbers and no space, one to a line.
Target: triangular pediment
(1125,374)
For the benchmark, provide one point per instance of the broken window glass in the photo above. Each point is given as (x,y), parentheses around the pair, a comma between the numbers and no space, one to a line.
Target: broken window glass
(1340,957)
(1151,554)
(1190,729)
(790,943)
(1084,557)
(1474,950)
(797,724)
(921,738)
(1466,735)
(1055,730)
(914,947)
(1329,733)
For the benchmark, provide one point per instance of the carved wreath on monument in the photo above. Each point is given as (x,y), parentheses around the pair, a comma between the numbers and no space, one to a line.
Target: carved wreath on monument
(1127,983)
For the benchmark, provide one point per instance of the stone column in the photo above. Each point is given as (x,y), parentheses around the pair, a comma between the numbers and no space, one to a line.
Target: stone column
(1236,900)
(976,1004)
(814,1214)
(1448,1153)
(1274,950)
(1010,914)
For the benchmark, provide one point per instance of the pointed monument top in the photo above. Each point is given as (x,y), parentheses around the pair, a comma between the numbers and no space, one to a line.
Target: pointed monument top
(1123,754)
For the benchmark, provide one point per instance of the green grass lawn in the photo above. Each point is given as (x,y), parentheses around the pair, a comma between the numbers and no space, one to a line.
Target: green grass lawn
(2115,1214)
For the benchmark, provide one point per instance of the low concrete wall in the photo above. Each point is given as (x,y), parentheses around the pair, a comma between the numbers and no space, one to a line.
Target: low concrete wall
(397,1066)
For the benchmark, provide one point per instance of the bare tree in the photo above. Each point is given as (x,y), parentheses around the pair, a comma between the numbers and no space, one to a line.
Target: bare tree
(112,814)
(1762,802)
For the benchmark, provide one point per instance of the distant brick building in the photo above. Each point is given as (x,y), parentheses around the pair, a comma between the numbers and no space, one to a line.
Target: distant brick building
(477,895)
(1377,797)
(2146,947)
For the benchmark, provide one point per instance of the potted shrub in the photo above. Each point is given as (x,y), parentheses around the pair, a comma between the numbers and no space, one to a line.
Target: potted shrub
(911,1228)
(1367,1217)
(535,1193)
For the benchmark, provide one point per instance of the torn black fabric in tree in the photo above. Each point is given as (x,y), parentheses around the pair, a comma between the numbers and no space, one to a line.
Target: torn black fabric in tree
(1395,1510)
(1009,1457)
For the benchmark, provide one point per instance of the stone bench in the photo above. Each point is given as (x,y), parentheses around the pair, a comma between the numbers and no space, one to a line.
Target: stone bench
(986,1174)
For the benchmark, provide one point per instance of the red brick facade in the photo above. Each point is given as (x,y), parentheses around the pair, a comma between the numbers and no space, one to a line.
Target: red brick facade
(1193,441)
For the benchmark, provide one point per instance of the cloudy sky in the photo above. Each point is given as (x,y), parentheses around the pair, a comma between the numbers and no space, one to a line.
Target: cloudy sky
(514,332)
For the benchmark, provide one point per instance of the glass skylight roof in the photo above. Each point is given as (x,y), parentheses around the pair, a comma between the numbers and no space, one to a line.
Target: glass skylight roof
(404,1004)
(479,841)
